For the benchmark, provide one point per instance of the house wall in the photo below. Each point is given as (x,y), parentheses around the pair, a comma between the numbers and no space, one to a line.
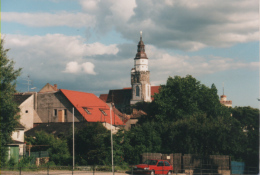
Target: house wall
(130,123)
(18,135)
(55,107)
(27,113)
(108,127)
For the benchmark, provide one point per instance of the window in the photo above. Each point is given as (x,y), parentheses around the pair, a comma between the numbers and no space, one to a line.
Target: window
(55,112)
(137,91)
(103,112)
(87,111)
(132,125)
(160,163)
(26,111)
(65,111)
(166,163)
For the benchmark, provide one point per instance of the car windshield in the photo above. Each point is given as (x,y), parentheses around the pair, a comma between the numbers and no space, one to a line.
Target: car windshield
(150,162)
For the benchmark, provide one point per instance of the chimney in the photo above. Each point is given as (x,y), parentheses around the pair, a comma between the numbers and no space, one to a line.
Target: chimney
(56,87)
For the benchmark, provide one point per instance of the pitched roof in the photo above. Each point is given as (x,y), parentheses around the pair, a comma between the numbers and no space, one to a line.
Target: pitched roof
(103,97)
(124,95)
(19,126)
(21,97)
(137,114)
(49,88)
(91,107)
(154,89)
(120,96)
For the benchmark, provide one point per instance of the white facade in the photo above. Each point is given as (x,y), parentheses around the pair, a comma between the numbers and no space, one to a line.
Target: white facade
(27,113)
(18,135)
(141,64)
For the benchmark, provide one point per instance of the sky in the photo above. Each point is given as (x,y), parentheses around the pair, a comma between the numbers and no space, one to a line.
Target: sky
(90,45)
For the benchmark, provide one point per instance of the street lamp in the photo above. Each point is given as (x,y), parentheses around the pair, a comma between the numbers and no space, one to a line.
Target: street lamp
(112,159)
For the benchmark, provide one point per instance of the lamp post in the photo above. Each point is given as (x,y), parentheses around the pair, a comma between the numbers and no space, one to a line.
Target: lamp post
(112,159)
(73,149)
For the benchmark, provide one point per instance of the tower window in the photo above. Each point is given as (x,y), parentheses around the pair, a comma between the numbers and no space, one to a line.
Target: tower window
(137,90)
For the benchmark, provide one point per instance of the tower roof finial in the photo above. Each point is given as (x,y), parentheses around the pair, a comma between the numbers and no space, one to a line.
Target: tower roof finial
(223,89)
(141,33)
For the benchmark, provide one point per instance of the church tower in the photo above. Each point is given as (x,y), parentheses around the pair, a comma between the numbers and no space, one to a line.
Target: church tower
(140,76)
(224,101)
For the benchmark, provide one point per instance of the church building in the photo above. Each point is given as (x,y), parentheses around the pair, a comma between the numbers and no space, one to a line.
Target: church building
(141,90)
(140,76)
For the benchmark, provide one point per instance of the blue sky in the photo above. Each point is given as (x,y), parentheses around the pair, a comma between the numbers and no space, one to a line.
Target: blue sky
(90,45)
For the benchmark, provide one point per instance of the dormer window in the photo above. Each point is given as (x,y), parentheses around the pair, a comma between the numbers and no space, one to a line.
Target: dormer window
(87,111)
(103,112)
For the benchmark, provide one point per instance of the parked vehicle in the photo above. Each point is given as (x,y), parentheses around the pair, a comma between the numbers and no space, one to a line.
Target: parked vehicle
(154,166)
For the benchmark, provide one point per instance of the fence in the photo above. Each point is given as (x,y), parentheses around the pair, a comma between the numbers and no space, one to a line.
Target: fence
(202,169)
(38,158)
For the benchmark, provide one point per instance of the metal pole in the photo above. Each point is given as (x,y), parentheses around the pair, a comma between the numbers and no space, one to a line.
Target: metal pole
(73,138)
(111,138)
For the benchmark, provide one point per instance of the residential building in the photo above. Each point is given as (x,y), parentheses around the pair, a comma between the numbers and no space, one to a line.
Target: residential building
(17,148)
(57,105)
(26,102)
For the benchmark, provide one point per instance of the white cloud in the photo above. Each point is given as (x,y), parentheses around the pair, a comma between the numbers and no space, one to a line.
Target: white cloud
(89,5)
(50,20)
(69,47)
(46,57)
(180,24)
(74,67)
(88,68)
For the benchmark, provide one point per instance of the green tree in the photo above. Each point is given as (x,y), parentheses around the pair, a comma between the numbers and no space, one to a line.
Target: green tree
(58,148)
(92,145)
(140,139)
(190,119)
(185,96)
(249,123)
(9,109)
(205,136)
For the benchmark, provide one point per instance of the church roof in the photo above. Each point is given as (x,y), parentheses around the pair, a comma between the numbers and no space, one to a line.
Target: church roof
(122,97)
(141,49)
(154,89)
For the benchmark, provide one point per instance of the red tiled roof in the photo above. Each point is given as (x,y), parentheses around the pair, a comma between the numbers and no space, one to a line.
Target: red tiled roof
(103,97)
(83,100)
(154,89)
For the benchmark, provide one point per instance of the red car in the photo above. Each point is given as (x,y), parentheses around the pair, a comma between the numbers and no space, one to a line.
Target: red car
(154,166)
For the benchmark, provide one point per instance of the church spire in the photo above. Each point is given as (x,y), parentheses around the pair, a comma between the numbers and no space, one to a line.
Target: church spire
(141,49)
